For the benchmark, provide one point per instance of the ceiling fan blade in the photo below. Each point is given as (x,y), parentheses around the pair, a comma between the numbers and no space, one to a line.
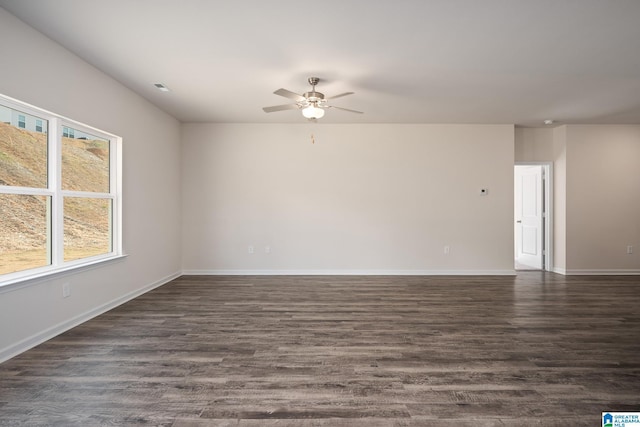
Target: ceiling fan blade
(340,95)
(346,109)
(289,94)
(280,108)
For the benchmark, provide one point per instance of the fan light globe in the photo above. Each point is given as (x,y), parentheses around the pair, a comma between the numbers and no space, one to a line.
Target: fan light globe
(313,112)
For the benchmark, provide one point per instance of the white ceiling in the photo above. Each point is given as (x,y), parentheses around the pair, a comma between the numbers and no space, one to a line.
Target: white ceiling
(408,61)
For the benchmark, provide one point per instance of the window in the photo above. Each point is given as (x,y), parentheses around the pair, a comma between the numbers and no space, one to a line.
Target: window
(59,193)
(86,196)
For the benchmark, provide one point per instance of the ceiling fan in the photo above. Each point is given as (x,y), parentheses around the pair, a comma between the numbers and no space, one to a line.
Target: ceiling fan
(311,103)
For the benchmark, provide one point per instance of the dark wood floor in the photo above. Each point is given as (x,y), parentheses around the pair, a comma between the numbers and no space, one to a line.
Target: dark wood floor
(536,349)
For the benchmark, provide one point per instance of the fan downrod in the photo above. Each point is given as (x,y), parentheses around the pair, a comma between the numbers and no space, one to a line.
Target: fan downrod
(313,96)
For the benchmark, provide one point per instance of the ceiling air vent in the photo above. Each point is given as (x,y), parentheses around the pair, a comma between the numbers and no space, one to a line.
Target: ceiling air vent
(161,87)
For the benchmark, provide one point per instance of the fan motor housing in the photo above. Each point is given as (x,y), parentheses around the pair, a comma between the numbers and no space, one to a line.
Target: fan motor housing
(313,96)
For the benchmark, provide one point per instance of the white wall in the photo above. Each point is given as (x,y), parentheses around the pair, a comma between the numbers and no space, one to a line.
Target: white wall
(371,198)
(40,72)
(596,194)
(559,157)
(534,144)
(603,198)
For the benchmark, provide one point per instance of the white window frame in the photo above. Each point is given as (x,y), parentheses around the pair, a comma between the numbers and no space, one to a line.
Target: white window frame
(57,194)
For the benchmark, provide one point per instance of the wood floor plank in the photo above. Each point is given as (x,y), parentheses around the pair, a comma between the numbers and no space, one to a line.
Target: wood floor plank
(536,349)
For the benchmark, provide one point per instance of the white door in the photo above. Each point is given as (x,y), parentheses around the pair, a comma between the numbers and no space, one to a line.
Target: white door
(528,216)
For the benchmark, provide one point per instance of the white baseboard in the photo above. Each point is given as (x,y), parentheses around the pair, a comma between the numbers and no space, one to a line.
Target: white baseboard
(349,272)
(32,341)
(602,272)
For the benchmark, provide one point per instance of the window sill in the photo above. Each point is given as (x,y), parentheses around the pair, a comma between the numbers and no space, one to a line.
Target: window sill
(32,279)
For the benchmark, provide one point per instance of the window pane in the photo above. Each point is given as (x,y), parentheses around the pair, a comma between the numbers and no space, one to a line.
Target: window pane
(87,227)
(24,232)
(23,149)
(85,162)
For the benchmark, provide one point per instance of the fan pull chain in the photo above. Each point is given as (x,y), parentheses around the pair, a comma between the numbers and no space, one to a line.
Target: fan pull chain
(313,140)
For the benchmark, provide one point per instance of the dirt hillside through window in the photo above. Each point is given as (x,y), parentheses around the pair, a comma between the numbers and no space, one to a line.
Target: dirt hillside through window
(23,218)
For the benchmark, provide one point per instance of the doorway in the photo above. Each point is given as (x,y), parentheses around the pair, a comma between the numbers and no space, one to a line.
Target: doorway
(532,216)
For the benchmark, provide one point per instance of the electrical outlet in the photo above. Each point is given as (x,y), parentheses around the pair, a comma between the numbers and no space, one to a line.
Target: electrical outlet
(447,249)
(629,249)
(66,290)
(250,249)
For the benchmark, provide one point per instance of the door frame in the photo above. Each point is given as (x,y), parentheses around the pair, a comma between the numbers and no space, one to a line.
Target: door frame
(547,216)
